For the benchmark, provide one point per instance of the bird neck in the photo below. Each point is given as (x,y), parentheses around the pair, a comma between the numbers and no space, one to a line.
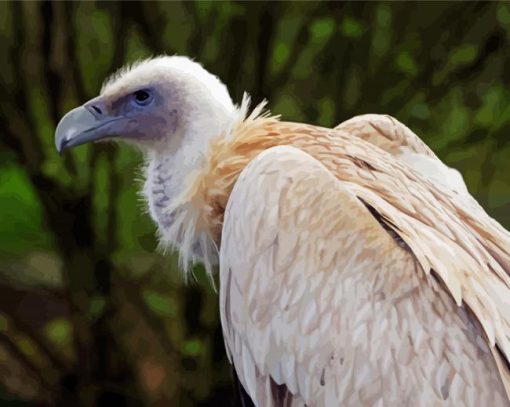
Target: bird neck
(187,191)
(166,173)
(168,176)
(161,182)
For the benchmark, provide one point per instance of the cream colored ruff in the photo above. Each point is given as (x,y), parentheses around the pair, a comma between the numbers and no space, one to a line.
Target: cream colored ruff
(317,297)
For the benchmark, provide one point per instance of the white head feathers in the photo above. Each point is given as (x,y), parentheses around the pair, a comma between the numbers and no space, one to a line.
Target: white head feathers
(196,103)
(203,110)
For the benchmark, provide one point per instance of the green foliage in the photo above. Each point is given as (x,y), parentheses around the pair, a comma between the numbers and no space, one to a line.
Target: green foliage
(27,347)
(322,29)
(97,45)
(59,331)
(22,229)
(381,38)
(405,63)
(420,111)
(160,304)
(192,347)
(351,27)
(4,323)
(494,110)
(96,306)
(503,14)
(463,55)
(204,8)
(499,194)
(281,54)
(327,112)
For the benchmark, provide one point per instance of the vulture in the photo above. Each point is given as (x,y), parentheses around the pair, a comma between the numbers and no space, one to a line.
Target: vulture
(354,266)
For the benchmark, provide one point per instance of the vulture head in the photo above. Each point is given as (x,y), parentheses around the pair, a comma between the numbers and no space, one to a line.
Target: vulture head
(170,107)
(160,105)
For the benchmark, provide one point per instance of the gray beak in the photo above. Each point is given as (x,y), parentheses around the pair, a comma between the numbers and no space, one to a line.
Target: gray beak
(84,124)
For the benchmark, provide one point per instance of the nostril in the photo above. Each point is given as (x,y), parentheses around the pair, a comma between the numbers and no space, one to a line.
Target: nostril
(96,109)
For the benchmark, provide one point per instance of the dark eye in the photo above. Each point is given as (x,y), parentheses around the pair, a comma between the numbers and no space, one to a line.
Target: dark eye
(142,97)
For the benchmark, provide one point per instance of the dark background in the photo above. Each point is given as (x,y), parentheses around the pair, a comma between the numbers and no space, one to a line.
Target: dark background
(90,313)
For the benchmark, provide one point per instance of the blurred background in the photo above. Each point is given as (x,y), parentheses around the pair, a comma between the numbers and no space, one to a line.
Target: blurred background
(90,313)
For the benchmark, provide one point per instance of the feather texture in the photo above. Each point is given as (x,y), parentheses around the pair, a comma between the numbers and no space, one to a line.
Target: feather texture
(364,325)
(453,250)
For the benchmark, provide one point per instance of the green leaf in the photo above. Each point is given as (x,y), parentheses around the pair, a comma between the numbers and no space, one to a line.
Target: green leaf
(381,33)
(281,54)
(494,110)
(321,30)
(351,27)
(22,227)
(499,194)
(192,347)
(287,106)
(203,8)
(327,112)
(159,304)
(27,347)
(503,14)
(99,36)
(96,306)
(383,15)
(58,331)
(420,110)
(4,323)
(406,64)
(463,55)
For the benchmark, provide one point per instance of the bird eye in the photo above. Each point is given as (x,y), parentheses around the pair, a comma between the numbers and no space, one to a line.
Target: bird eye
(142,97)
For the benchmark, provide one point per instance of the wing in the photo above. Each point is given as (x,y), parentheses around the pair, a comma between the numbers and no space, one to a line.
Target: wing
(387,133)
(321,305)
(394,137)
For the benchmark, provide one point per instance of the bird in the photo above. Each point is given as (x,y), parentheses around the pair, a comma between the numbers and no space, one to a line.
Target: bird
(354,266)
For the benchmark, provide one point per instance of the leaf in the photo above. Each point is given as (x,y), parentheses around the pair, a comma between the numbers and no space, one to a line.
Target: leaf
(405,63)
(96,306)
(503,14)
(192,347)
(58,331)
(463,55)
(281,54)
(27,347)
(321,30)
(420,110)
(22,228)
(351,27)
(4,323)
(159,304)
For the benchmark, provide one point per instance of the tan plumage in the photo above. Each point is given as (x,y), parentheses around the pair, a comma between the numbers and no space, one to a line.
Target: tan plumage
(397,139)
(309,276)
(386,133)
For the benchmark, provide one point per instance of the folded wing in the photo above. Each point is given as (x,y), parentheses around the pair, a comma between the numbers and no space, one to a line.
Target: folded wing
(331,295)
(394,137)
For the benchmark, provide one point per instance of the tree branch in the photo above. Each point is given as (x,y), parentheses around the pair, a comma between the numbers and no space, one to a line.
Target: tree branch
(31,145)
(265,39)
(26,362)
(150,22)
(58,363)
(281,80)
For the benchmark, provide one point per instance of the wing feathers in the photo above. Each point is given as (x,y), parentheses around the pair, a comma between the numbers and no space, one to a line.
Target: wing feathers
(392,136)
(437,225)
(329,304)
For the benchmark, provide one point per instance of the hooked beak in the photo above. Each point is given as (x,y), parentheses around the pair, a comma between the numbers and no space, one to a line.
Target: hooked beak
(84,124)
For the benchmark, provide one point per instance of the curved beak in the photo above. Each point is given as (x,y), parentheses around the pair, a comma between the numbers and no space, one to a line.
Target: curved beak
(83,124)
